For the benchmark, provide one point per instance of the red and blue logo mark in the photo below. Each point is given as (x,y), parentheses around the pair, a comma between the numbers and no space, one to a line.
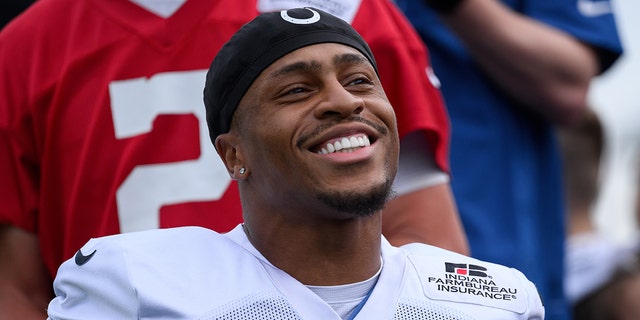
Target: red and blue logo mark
(466,269)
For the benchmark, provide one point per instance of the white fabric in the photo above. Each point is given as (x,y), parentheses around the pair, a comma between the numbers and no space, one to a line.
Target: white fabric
(591,260)
(343,9)
(417,170)
(195,273)
(345,298)
(162,8)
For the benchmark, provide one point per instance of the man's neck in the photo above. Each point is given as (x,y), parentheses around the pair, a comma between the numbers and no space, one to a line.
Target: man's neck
(333,254)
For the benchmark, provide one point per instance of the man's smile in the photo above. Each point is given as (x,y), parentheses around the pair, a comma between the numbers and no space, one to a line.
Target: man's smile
(345,144)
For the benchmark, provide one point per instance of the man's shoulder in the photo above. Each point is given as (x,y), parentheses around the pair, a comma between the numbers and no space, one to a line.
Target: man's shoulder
(155,246)
(441,262)
(178,234)
(453,277)
(183,272)
(423,255)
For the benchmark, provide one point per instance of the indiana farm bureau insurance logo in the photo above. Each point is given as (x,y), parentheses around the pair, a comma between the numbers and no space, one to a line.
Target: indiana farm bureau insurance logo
(471,279)
(465,269)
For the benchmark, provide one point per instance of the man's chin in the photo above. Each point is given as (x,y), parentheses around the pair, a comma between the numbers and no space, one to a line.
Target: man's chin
(358,203)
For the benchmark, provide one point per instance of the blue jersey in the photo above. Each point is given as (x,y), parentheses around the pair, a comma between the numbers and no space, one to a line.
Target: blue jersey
(504,160)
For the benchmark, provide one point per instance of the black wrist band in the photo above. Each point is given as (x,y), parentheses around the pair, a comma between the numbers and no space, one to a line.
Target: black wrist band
(444,6)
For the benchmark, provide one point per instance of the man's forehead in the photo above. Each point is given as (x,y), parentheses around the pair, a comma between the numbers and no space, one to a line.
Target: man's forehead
(312,58)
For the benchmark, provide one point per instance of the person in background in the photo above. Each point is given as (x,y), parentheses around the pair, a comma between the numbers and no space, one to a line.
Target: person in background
(102,130)
(511,71)
(616,298)
(602,278)
(591,257)
(299,117)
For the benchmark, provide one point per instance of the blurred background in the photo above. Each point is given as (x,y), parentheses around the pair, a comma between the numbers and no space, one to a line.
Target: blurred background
(615,96)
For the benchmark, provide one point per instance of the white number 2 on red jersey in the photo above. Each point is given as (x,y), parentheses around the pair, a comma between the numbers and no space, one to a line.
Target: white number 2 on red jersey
(135,104)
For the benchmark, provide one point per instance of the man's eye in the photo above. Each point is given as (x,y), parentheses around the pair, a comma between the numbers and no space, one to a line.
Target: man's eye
(360,81)
(295,90)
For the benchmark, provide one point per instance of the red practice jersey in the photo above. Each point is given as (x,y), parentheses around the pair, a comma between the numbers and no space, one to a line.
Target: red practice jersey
(102,124)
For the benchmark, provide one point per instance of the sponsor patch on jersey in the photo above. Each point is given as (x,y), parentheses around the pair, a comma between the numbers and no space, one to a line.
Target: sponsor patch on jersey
(343,9)
(482,284)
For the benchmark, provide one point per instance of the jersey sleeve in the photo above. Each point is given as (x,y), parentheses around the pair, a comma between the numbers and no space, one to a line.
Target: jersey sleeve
(406,75)
(590,21)
(94,284)
(18,153)
(417,170)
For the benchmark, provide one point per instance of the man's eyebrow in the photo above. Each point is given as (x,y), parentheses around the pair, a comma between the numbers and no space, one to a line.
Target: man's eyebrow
(296,67)
(350,58)
(313,65)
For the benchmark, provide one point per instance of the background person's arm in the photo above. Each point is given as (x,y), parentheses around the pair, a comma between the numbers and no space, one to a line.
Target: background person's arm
(25,284)
(544,68)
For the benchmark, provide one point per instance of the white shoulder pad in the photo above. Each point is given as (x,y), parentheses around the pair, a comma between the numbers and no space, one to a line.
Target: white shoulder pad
(98,282)
(449,276)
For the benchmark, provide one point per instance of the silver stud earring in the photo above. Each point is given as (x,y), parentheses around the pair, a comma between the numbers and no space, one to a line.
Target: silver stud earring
(242,170)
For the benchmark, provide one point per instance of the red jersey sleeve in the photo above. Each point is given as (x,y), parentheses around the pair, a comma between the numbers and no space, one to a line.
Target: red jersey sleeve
(18,152)
(403,65)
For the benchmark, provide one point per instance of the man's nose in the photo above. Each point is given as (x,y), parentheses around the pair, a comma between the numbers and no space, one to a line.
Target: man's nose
(337,101)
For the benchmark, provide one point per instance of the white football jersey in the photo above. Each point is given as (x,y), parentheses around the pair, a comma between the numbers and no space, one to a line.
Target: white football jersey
(196,273)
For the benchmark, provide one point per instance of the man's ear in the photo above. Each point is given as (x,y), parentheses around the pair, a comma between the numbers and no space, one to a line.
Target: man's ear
(227,147)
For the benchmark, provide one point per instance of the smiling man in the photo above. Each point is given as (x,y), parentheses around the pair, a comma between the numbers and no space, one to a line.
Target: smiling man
(300,120)
(338,129)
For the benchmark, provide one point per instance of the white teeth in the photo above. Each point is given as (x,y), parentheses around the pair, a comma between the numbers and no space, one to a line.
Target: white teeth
(346,144)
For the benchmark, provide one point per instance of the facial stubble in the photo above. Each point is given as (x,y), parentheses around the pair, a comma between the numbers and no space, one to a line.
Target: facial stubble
(360,204)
